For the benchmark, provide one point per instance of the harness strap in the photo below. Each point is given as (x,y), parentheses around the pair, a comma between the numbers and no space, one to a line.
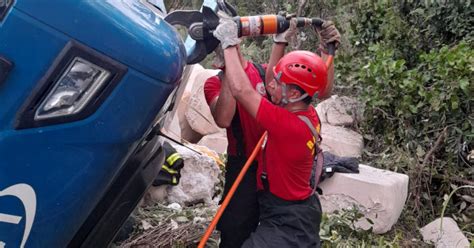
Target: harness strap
(262,73)
(318,167)
(236,128)
(264,176)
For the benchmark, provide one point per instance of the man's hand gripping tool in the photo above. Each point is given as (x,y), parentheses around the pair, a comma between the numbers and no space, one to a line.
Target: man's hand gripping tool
(200,26)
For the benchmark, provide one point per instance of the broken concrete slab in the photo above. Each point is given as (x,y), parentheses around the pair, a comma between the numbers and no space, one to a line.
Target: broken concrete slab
(448,235)
(341,141)
(378,194)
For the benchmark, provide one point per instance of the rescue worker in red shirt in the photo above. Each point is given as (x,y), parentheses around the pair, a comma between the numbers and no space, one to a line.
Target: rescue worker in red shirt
(290,212)
(242,214)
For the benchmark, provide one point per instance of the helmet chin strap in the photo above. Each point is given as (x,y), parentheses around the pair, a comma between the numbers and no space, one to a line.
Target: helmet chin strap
(284,94)
(284,97)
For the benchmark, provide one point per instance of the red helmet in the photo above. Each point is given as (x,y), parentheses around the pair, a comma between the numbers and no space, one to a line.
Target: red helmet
(303,68)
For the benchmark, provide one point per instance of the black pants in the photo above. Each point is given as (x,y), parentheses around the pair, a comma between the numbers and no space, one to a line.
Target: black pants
(240,218)
(286,223)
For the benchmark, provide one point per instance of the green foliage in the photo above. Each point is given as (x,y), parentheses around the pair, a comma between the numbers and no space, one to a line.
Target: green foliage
(435,94)
(441,22)
(414,73)
(339,230)
(411,63)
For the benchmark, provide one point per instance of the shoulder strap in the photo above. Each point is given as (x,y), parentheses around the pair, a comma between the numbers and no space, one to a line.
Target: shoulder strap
(310,125)
(260,70)
(318,166)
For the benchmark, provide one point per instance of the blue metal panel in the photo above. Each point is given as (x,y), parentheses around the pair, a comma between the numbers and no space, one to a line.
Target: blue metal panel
(69,166)
(126,30)
(31,47)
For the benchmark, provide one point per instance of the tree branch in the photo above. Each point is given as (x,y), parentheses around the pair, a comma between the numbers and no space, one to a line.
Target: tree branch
(299,12)
(435,147)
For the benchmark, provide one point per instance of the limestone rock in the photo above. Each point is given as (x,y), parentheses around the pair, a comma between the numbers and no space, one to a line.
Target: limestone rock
(216,142)
(197,112)
(338,111)
(156,194)
(341,141)
(187,133)
(449,236)
(378,194)
(177,124)
(198,178)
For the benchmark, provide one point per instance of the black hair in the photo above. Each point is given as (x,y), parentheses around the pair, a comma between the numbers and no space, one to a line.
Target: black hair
(308,99)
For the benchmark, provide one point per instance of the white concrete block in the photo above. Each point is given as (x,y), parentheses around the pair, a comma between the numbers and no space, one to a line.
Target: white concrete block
(447,236)
(379,194)
(341,141)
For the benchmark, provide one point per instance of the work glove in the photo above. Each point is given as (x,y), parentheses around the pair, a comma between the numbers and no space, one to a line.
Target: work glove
(218,61)
(288,35)
(328,33)
(226,32)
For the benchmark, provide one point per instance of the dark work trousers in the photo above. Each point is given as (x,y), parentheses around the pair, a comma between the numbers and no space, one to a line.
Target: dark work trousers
(240,218)
(284,224)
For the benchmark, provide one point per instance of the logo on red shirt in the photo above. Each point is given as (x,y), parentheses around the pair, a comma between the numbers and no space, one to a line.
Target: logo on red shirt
(261,89)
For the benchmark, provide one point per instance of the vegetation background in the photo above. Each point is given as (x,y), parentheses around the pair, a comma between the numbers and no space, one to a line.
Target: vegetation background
(411,65)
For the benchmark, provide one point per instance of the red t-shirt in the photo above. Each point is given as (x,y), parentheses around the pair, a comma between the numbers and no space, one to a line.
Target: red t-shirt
(289,151)
(250,129)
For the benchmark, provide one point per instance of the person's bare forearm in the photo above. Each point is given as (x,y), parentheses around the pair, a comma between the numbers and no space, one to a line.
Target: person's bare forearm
(278,50)
(239,83)
(224,108)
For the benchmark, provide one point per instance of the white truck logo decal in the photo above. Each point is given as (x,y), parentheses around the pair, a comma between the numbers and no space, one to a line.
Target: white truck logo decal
(27,196)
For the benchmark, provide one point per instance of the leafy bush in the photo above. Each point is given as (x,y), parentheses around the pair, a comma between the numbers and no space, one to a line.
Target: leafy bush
(437,93)
(414,75)
(339,230)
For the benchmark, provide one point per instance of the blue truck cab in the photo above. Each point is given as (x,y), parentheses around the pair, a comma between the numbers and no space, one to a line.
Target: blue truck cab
(83,86)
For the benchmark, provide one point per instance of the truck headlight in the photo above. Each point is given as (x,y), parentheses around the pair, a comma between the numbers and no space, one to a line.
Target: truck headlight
(75,88)
(78,81)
